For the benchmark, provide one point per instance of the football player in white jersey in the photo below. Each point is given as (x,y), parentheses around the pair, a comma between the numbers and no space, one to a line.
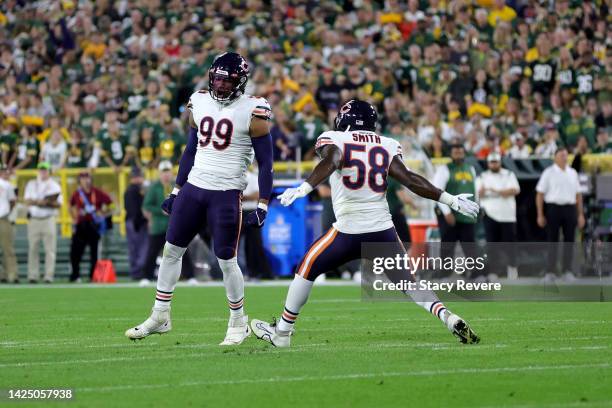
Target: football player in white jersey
(227,129)
(357,162)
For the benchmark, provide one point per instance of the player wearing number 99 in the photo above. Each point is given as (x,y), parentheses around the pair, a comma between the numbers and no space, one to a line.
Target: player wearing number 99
(357,162)
(227,129)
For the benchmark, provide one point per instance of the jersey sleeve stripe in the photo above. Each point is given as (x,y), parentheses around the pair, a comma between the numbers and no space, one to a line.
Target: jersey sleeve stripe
(262,112)
(264,117)
(323,143)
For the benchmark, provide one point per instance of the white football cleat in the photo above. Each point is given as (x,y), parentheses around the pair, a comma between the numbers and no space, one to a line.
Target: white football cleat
(269,332)
(237,331)
(159,322)
(461,329)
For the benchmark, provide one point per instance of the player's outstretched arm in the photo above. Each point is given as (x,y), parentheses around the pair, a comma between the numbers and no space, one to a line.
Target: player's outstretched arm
(331,160)
(262,145)
(185,165)
(420,186)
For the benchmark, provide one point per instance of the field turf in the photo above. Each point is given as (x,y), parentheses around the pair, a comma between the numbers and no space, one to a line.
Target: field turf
(345,353)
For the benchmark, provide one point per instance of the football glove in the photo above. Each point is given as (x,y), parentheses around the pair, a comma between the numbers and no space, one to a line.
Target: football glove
(461,204)
(292,194)
(257,217)
(166,206)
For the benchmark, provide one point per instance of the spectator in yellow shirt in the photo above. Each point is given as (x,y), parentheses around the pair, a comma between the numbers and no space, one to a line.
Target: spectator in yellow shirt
(501,12)
(95,47)
(55,123)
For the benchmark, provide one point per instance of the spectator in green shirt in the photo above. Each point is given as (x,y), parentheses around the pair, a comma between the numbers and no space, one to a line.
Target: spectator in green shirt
(116,151)
(8,140)
(158,220)
(89,114)
(310,125)
(26,156)
(457,177)
(577,125)
(147,148)
(78,151)
(604,145)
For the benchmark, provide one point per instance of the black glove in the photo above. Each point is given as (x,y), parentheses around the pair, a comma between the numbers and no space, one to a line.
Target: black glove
(167,204)
(256,218)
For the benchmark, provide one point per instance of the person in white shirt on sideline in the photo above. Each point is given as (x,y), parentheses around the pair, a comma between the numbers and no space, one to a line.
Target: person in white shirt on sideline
(559,205)
(7,233)
(497,188)
(43,196)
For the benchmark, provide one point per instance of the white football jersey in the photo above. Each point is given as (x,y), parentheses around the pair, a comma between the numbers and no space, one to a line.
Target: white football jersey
(359,188)
(224,150)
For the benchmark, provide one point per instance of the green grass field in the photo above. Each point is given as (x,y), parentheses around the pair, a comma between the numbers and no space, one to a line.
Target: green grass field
(345,353)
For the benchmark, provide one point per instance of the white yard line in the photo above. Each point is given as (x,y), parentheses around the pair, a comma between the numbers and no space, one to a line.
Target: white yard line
(212,284)
(215,350)
(337,300)
(332,326)
(341,377)
(555,349)
(605,403)
(181,335)
(590,281)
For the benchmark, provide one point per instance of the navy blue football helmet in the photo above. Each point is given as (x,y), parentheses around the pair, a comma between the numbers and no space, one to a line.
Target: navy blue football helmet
(227,77)
(356,115)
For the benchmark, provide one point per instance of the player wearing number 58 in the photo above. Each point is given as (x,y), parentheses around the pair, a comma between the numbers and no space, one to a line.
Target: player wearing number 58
(357,162)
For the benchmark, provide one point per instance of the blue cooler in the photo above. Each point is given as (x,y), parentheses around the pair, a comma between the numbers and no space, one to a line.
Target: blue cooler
(289,231)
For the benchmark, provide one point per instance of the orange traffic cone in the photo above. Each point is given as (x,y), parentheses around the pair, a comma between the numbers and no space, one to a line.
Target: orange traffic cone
(104,272)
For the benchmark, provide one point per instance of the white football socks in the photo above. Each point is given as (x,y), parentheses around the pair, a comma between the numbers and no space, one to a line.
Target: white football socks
(169,273)
(298,293)
(234,285)
(429,301)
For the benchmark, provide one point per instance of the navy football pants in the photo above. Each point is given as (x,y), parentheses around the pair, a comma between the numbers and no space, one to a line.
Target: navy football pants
(196,207)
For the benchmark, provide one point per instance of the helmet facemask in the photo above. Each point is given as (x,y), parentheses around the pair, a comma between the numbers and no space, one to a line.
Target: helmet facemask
(224,87)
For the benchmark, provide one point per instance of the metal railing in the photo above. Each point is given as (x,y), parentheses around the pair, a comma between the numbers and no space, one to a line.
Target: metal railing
(116,182)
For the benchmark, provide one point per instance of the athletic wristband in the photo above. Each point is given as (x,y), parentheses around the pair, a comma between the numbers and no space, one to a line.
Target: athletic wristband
(263,206)
(306,188)
(175,191)
(446,198)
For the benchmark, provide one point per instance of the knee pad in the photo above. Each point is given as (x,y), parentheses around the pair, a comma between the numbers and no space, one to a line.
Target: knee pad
(173,253)
(229,266)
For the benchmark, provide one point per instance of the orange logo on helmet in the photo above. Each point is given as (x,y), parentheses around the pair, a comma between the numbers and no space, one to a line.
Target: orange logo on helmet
(346,107)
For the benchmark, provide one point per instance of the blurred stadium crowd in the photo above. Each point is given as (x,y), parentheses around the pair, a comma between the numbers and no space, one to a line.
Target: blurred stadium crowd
(104,83)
